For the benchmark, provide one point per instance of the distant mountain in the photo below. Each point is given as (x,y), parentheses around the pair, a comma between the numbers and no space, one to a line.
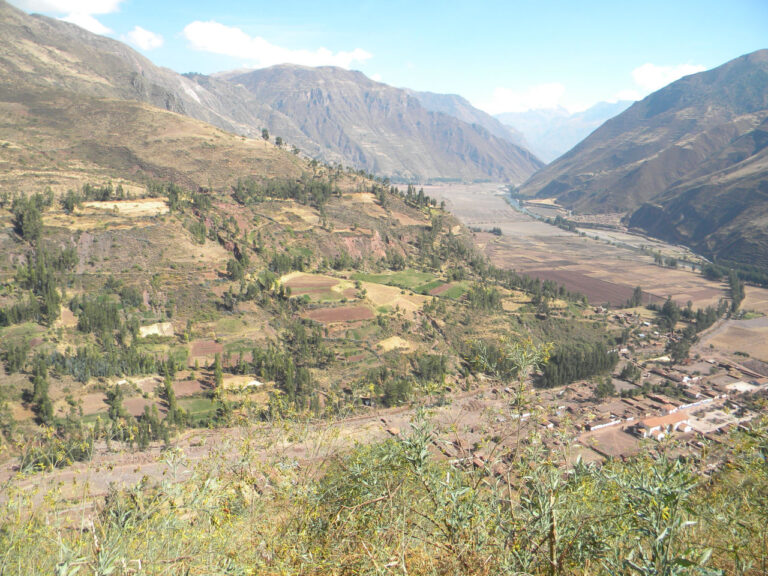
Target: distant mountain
(370,126)
(688,163)
(550,133)
(460,108)
(342,115)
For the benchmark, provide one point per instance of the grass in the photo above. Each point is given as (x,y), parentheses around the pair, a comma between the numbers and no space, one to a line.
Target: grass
(197,406)
(425,288)
(456,291)
(407,279)
(229,324)
(91,418)
(21,332)
(263,513)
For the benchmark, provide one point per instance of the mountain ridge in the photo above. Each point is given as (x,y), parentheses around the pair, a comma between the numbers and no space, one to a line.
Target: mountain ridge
(552,132)
(459,107)
(45,52)
(378,127)
(676,160)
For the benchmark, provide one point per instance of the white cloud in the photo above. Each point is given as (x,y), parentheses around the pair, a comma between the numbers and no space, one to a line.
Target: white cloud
(86,21)
(509,100)
(376,77)
(630,94)
(144,39)
(258,52)
(650,77)
(79,12)
(70,6)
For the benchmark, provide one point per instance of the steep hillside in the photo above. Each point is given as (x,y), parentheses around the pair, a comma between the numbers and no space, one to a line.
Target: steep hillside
(357,121)
(689,150)
(44,53)
(460,108)
(59,139)
(723,214)
(388,133)
(550,133)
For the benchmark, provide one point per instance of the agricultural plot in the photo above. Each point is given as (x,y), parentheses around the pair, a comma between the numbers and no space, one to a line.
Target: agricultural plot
(743,336)
(755,300)
(118,214)
(388,298)
(132,208)
(604,271)
(452,290)
(395,343)
(340,314)
(421,282)
(318,287)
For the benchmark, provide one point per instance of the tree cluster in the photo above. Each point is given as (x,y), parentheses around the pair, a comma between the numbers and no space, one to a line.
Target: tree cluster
(571,361)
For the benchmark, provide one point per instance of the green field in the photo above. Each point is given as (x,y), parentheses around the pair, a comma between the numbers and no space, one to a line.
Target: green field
(197,407)
(421,282)
(457,290)
(21,332)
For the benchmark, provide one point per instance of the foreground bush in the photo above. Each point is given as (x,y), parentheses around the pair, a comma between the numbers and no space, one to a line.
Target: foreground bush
(395,508)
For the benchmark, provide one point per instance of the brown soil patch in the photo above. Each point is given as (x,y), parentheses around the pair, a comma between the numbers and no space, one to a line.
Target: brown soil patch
(755,299)
(135,406)
(362,197)
(67,319)
(406,220)
(749,336)
(611,442)
(318,286)
(301,283)
(94,403)
(205,348)
(20,413)
(598,291)
(343,314)
(440,289)
(148,385)
(188,388)
(510,306)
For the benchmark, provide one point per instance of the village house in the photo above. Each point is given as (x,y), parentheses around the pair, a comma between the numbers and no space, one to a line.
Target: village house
(659,426)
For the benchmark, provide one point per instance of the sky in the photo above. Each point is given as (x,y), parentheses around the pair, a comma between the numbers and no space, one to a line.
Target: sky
(503,56)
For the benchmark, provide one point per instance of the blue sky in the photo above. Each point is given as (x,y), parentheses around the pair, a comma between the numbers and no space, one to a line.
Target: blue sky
(502,55)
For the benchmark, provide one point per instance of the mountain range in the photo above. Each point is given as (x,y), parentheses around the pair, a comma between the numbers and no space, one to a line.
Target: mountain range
(551,132)
(688,163)
(331,114)
(460,108)
(344,116)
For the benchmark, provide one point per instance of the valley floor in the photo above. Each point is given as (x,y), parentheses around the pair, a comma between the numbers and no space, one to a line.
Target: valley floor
(604,265)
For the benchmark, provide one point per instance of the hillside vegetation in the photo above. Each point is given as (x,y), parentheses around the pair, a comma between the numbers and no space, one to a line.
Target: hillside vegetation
(220,357)
(394,507)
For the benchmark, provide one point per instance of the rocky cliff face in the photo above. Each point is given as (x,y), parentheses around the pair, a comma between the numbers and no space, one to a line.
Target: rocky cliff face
(385,130)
